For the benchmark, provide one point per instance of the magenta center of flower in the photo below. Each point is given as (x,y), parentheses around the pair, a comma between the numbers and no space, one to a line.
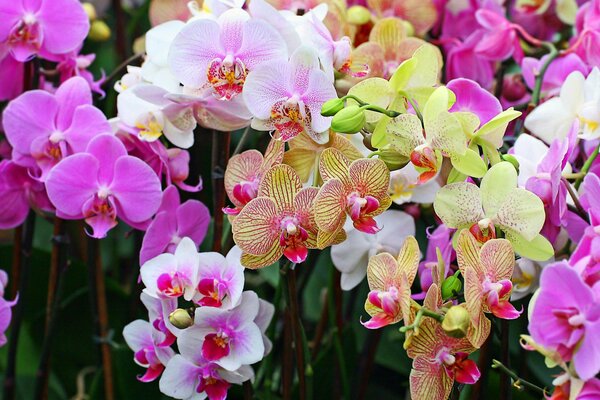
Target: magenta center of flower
(227,76)
(212,291)
(245,191)
(359,207)
(171,285)
(290,117)
(216,346)
(292,239)
(26,33)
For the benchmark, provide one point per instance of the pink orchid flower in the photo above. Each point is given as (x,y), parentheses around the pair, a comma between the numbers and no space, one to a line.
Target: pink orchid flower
(74,64)
(555,75)
(288,96)
(229,338)
(103,183)
(173,221)
(390,280)
(164,332)
(220,279)
(245,171)
(173,275)
(438,359)
(5,308)
(43,27)
(220,54)
(585,43)
(148,354)
(19,192)
(586,257)
(499,38)
(44,128)
(566,317)
(463,61)
(12,77)
(471,97)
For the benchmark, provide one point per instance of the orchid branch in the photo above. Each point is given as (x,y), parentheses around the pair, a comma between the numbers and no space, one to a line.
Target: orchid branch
(537,90)
(586,167)
(517,381)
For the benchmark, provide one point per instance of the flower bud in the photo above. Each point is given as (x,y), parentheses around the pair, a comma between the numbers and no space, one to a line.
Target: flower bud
(90,10)
(181,319)
(410,29)
(456,322)
(358,15)
(450,286)
(99,31)
(511,159)
(332,107)
(392,159)
(349,120)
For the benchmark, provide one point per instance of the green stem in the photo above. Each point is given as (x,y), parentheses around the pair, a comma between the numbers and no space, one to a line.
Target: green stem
(336,337)
(356,99)
(243,139)
(517,382)
(537,90)
(373,107)
(586,166)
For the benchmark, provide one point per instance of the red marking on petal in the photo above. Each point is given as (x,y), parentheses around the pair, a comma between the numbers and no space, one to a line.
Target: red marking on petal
(505,310)
(378,321)
(216,389)
(215,347)
(170,285)
(151,373)
(484,235)
(226,80)
(465,370)
(367,225)
(296,254)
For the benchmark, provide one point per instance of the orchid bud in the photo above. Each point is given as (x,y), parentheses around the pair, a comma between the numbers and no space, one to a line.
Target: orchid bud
(511,159)
(451,286)
(392,159)
(332,107)
(456,322)
(358,15)
(181,319)
(349,120)
(99,31)
(410,29)
(90,10)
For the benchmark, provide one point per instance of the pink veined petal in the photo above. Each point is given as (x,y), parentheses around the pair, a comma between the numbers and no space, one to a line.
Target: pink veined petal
(72,182)
(136,189)
(193,219)
(158,236)
(265,86)
(320,89)
(28,117)
(261,43)
(193,49)
(180,378)
(13,208)
(11,77)
(505,310)
(64,23)
(107,149)
(87,123)
(302,63)
(231,24)
(71,94)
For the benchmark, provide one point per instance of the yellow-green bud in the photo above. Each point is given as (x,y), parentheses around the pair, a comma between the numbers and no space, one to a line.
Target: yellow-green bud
(99,31)
(181,319)
(456,322)
(332,107)
(349,120)
(511,159)
(410,29)
(358,15)
(90,10)
(392,159)
(451,286)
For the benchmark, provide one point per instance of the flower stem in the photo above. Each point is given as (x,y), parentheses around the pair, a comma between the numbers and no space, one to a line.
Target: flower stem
(580,210)
(220,158)
(505,392)
(537,90)
(99,312)
(586,167)
(242,142)
(336,331)
(517,382)
(58,266)
(24,252)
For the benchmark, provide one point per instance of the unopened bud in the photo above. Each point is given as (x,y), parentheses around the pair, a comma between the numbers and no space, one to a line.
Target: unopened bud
(349,120)
(451,286)
(358,15)
(456,322)
(181,319)
(392,159)
(99,31)
(511,159)
(90,10)
(332,107)
(410,29)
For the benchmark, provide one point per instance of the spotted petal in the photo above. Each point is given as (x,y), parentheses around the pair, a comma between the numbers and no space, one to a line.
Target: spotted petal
(458,205)
(522,212)
(496,186)
(405,133)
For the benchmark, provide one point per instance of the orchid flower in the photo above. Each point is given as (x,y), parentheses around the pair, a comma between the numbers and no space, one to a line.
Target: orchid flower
(555,75)
(358,189)
(586,258)
(44,128)
(44,27)
(162,11)
(164,333)
(577,103)
(148,354)
(220,54)
(76,64)
(229,338)
(471,97)
(390,280)
(19,192)
(438,359)
(463,61)
(173,221)
(444,136)
(588,33)
(220,279)
(288,96)
(498,203)
(487,271)
(304,153)
(12,77)
(173,275)
(566,317)
(405,187)
(352,255)
(278,222)
(103,183)
(266,311)
(526,276)
(421,14)
(155,68)
(245,171)
(499,38)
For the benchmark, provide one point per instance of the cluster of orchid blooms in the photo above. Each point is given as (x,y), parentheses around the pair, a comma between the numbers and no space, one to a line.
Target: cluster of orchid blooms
(516,194)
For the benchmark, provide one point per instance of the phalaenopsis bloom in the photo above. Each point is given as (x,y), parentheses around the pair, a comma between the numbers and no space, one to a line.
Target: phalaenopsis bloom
(279,221)
(358,189)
